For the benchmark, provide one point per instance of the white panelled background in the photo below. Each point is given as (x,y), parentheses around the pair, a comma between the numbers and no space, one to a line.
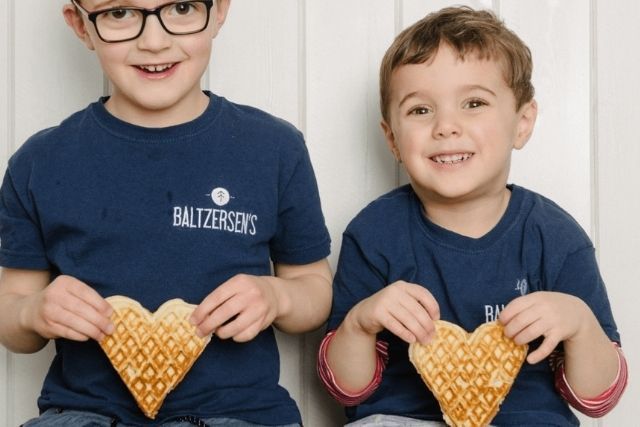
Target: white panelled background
(315,63)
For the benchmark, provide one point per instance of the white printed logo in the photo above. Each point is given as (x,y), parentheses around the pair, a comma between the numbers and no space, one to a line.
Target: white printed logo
(522,286)
(220,196)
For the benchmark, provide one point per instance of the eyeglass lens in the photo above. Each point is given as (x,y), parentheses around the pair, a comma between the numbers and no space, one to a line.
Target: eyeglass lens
(177,18)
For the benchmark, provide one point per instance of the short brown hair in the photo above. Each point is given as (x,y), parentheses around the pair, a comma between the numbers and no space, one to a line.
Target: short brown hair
(467,31)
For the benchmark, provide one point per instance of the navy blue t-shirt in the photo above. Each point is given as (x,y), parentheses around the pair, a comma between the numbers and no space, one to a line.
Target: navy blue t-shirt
(536,246)
(156,214)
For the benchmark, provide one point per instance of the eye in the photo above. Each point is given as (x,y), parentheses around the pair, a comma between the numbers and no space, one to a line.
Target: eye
(475,103)
(419,111)
(183,8)
(117,14)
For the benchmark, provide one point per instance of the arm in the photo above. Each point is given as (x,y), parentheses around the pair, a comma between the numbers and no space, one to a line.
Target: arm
(32,310)
(296,300)
(406,310)
(602,404)
(16,286)
(329,381)
(591,361)
(304,293)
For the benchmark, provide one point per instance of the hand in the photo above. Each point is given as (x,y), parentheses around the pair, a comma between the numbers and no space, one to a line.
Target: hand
(407,310)
(69,308)
(553,315)
(240,308)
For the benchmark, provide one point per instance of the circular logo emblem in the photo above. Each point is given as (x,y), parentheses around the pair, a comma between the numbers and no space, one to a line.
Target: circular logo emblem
(220,196)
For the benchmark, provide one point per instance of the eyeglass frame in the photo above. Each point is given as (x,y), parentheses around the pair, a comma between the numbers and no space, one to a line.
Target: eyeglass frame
(93,15)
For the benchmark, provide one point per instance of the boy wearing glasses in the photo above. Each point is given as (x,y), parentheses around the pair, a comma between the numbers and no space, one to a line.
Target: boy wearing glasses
(161,191)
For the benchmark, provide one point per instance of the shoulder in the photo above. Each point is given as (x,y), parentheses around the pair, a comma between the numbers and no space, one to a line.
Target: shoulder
(253,122)
(45,143)
(552,223)
(387,212)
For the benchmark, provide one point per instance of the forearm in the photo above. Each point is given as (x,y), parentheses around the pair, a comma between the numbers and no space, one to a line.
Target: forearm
(352,357)
(14,335)
(304,300)
(590,360)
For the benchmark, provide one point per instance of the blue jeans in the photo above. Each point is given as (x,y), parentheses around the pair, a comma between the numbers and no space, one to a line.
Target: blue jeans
(379,420)
(70,418)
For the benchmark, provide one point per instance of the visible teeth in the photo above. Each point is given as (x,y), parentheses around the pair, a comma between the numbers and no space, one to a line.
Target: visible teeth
(155,68)
(451,158)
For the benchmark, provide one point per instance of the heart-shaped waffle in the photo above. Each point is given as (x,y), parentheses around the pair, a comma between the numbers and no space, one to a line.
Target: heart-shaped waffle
(469,374)
(152,352)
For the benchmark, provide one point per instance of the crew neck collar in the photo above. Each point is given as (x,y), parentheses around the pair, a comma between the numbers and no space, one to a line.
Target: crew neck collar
(129,131)
(457,241)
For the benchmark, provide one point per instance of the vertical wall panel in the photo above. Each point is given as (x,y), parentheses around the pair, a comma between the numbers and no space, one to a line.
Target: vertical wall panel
(6,133)
(345,43)
(256,57)
(413,10)
(256,61)
(54,76)
(618,150)
(556,162)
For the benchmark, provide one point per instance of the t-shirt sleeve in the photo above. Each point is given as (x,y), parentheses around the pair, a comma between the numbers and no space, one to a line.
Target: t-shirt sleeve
(21,243)
(301,236)
(580,276)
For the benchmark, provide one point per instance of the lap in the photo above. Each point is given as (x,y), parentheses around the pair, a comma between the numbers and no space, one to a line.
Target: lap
(379,420)
(57,418)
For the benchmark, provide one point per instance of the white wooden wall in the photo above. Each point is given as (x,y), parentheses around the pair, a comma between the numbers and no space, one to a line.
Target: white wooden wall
(315,63)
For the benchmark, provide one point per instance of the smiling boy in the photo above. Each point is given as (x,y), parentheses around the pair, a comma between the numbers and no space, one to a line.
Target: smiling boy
(161,190)
(460,244)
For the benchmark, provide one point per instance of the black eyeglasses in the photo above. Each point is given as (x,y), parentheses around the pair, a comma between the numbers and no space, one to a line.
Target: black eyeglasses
(121,24)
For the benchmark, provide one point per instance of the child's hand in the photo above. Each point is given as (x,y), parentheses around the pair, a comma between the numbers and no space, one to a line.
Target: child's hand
(407,310)
(240,308)
(69,308)
(553,315)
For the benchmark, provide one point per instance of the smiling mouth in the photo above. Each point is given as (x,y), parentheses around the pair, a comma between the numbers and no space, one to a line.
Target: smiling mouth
(451,159)
(155,69)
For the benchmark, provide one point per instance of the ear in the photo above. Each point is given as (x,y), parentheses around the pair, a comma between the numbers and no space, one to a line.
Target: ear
(391,140)
(220,14)
(74,20)
(526,121)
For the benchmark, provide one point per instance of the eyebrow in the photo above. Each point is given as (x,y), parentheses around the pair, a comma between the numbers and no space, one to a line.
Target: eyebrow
(465,88)
(108,4)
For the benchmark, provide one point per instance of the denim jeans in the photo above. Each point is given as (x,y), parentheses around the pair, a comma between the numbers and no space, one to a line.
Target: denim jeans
(379,420)
(70,418)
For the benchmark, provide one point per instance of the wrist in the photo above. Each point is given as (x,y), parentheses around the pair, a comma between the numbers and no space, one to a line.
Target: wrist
(353,326)
(588,326)
(282,299)
(23,306)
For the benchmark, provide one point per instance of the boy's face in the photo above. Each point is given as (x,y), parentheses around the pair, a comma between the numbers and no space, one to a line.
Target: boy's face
(156,72)
(453,124)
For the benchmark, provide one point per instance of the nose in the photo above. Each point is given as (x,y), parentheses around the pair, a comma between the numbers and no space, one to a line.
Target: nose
(153,37)
(446,125)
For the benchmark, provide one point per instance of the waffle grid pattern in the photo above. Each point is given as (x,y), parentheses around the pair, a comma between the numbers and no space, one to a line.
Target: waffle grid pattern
(469,374)
(152,352)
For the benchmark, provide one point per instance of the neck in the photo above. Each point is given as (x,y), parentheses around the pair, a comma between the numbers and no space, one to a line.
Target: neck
(472,218)
(157,116)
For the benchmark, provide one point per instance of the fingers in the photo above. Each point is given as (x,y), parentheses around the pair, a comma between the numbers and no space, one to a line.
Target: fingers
(406,310)
(69,308)
(239,308)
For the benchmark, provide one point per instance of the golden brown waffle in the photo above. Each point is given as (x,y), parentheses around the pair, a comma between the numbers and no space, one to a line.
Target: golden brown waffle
(152,352)
(469,374)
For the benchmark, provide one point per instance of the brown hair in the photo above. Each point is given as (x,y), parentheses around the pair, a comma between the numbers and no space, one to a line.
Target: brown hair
(467,31)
